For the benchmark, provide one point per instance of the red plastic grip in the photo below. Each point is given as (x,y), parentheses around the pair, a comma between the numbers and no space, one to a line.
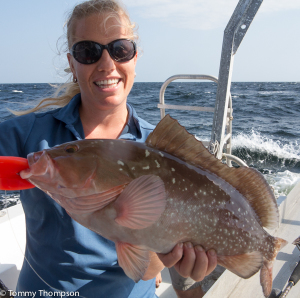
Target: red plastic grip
(10,167)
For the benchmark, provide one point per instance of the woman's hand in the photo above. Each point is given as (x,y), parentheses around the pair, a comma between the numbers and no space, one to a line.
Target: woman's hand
(158,280)
(190,261)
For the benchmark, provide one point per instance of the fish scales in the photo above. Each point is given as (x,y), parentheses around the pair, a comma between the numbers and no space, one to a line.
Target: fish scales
(148,197)
(199,216)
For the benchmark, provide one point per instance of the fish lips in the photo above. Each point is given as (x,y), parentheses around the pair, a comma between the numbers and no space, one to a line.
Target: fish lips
(40,164)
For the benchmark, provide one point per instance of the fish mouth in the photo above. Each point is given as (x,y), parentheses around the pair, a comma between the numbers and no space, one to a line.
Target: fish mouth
(40,164)
(48,174)
(34,157)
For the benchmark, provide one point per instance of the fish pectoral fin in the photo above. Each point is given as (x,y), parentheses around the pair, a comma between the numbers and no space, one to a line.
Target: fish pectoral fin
(141,203)
(133,260)
(244,265)
(90,203)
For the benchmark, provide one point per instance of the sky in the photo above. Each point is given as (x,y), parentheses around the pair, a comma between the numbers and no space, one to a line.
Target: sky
(176,37)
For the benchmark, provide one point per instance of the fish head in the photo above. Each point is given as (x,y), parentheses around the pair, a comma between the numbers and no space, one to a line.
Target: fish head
(70,169)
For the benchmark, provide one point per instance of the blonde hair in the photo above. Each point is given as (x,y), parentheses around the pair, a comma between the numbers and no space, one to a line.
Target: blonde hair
(114,9)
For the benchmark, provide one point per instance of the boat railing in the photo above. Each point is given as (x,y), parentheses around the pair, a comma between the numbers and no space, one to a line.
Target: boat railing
(227,141)
(234,33)
(221,134)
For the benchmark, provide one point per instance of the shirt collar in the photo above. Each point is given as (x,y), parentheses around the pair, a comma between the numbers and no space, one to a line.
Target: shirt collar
(69,114)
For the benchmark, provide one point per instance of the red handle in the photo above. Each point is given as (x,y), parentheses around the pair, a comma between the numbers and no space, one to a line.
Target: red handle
(10,167)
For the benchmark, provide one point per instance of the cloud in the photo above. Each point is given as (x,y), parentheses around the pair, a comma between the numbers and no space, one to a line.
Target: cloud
(279,5)
(199,14)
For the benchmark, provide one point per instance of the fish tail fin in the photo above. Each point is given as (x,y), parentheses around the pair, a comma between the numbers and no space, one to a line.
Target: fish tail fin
(266,271)
(266,279)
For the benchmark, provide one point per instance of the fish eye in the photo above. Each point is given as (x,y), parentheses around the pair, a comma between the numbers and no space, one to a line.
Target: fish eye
(71,148)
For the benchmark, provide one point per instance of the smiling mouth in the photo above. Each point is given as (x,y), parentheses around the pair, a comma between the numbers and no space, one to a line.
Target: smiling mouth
(111,83)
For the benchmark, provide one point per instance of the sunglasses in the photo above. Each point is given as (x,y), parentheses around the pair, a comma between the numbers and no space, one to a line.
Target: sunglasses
(89,52)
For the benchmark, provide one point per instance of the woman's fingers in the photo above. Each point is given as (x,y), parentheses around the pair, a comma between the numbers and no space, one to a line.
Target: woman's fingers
(158,280)
(205,263)
(186,264)
(196,262)
(212,261)
(172,257)
(190,261)
(200,266)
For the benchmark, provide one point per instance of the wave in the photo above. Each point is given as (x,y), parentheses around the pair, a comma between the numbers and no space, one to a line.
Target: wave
(17,91)
(282,182)
(279,162)
(266,154)
(9,200)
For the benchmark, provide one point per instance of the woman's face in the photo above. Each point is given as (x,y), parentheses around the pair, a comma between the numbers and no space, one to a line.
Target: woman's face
(105,84)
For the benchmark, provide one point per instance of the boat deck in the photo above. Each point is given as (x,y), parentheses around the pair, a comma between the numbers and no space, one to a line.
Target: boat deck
(12,227)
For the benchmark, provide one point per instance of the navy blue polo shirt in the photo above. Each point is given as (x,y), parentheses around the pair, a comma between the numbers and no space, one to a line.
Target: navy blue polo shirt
(63,255)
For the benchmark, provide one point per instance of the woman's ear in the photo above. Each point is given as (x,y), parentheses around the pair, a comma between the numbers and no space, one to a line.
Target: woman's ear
(70,60)
(72,69)
(135,57)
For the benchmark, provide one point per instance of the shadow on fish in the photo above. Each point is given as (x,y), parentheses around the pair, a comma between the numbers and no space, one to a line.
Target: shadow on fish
(148,197)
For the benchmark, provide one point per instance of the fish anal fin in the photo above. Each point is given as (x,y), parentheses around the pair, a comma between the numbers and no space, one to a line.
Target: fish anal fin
(244,265)
(141,203)
(169,136)
(133,260)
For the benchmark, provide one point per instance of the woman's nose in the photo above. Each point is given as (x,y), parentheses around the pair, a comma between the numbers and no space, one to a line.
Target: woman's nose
(106,63)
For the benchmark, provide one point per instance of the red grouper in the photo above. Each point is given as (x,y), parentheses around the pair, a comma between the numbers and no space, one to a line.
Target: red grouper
(148,197)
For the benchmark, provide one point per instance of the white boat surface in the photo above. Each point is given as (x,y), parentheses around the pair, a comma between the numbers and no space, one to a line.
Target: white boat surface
(12,248)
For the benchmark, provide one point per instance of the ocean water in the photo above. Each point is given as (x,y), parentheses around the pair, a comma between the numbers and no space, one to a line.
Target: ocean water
(266,128)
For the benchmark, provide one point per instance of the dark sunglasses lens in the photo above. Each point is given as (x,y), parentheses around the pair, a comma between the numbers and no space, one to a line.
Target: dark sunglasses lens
(87,52)
(122,50)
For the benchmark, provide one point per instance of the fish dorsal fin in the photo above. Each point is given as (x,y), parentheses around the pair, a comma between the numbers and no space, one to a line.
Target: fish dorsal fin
(169,136)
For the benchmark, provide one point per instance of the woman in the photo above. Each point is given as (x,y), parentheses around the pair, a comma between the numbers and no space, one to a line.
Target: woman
(63,255)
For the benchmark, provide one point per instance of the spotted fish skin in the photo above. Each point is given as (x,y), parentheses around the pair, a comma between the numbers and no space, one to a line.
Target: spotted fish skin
(189,196)
(197,209)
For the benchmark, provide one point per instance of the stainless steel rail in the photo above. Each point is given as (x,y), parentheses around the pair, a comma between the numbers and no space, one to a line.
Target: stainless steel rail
(234,33)
(163,88)
(162,106)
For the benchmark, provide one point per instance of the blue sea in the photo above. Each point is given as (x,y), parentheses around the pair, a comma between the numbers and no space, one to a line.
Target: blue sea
(266,127)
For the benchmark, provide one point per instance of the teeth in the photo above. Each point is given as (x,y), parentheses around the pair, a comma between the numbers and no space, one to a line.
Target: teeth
(107,83)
